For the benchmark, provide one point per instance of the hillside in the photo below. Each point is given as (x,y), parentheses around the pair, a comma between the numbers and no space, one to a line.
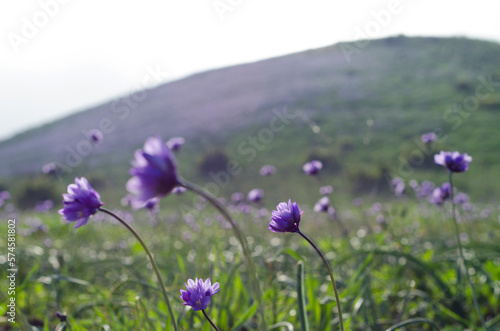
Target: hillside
(362,117)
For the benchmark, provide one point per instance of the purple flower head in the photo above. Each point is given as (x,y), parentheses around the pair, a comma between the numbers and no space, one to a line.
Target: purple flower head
(398,185)
(237,197)
(312,168)
(461,198)
(49,169)
(255,195)
(425,189)
(453,161)
(327,189)
(286,218)
(175,143)
(198,293)
(153,170)
(81,202)
(322,205)
(440,194)
(428,138)
(95,136)
(4,195)
(179,190)
(267,170)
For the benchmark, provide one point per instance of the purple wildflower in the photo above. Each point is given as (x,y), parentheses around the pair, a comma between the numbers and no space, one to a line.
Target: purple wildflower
(461,198)
(198,293)
(255,195)
(453,161)
(267,170)
(153,170)
(81,202)
(95,136)
(179,190)
(286,218)
(440,194)
(425,189)
(237,197)
(4,195)
(327,189)
(398,185)
(49,169)
(312,168)
(322,205)
(428,138)
(175,143)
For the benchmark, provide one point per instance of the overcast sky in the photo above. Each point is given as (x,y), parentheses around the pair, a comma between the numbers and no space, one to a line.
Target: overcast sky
(61,56)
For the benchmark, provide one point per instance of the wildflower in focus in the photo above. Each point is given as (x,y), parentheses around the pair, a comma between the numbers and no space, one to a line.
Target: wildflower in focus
(154,171)
(453,161)
(175,143)
(312,168)
(322,205)
(267,170)
(255,195)
(286,218)
(81,202)
(428,138)
(198,293)
(95,136)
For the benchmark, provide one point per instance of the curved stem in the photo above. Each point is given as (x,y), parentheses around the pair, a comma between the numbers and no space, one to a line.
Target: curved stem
(209,320)
(237,232)
(151,259)
(462,257)
(331,277)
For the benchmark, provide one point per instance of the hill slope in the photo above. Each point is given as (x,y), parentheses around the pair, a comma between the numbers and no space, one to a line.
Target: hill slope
(352,114)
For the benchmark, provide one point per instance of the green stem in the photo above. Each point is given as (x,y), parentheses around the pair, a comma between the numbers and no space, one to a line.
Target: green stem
(209,320)
(151,259)
(462,257)
(331,277)
(237,232)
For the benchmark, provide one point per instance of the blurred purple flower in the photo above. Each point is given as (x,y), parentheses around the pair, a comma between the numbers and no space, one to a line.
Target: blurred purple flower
(453,161)
(237,197)
(327,189)
(358,202)
(62,317)
(461,198)
(95,136)
(179,190)
(286,218)
(267,170)
(440,194)
(50,168)
(81,202)
(312,168)
(154,171)
(44,206)
(198,293)
(428,138)
(425,189)
(398,185)
(322,205)
(255,195)
(175,143)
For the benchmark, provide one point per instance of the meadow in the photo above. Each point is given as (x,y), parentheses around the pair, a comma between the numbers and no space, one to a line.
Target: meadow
(395,262)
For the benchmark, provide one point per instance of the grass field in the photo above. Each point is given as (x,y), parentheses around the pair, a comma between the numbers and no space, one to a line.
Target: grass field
(396,262)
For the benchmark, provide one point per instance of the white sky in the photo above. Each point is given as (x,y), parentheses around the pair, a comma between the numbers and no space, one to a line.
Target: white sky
(87,52)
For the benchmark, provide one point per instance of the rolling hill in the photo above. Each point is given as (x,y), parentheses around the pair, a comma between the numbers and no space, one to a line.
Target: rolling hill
(361,115)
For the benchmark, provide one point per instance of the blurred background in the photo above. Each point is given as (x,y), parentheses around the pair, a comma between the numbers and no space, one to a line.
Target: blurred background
(246,84)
